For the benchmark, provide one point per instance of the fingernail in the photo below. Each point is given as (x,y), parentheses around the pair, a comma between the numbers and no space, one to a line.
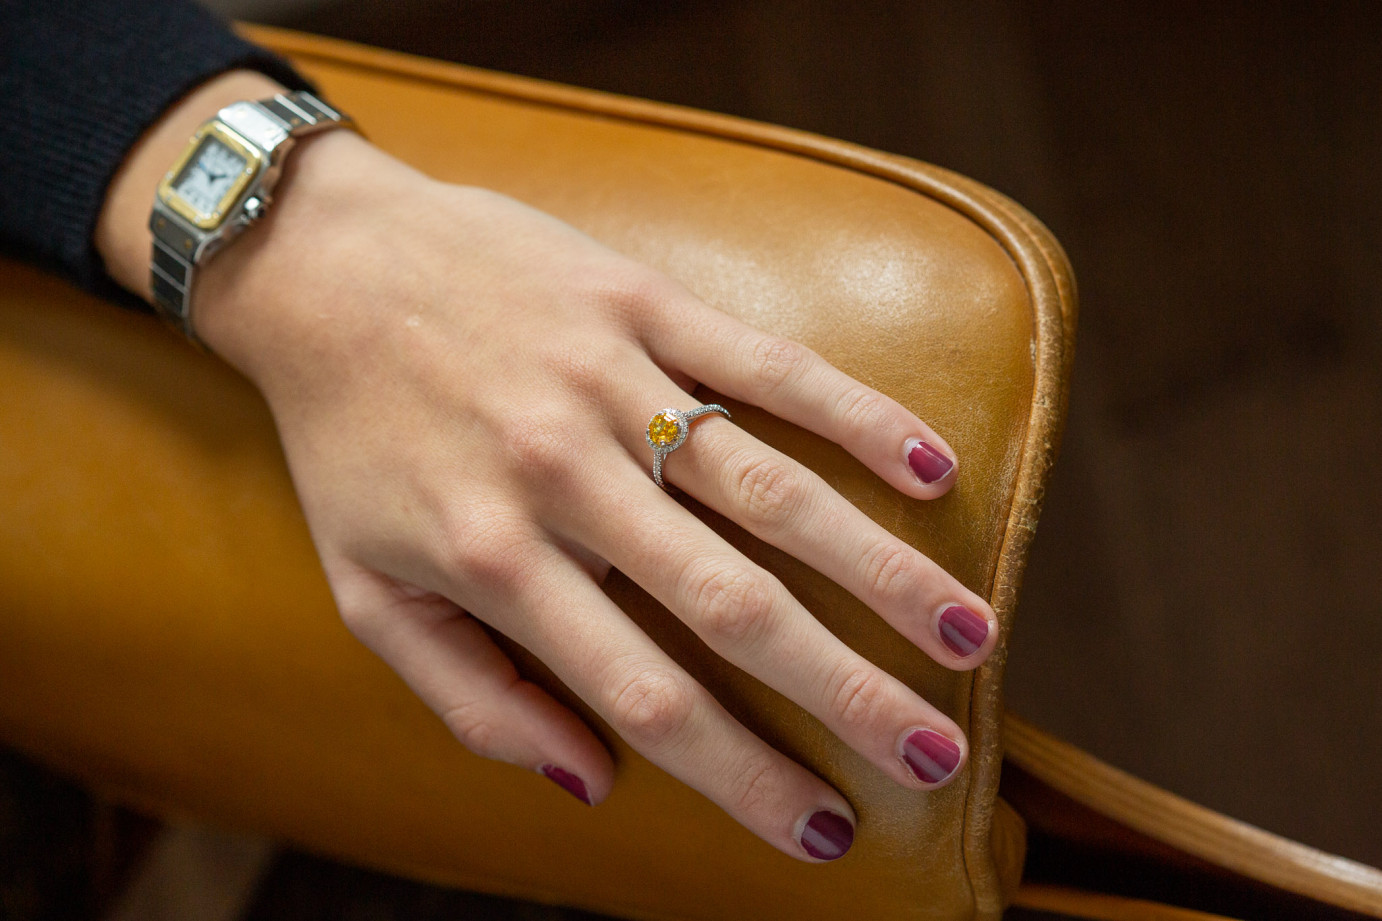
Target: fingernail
(927,463)
(567,781)
(826,836)
(962,630)
(930,755)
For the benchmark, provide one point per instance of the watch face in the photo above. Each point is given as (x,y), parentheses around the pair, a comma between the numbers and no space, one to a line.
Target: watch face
(212,171)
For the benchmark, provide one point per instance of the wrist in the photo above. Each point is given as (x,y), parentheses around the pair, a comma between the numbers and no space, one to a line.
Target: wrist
(122,229)
(288,287)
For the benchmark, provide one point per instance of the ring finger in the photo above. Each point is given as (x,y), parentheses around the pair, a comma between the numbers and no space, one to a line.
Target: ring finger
(793,383)
(750,619)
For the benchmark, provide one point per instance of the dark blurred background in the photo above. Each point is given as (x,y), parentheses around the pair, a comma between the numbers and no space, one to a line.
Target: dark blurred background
(1202,606)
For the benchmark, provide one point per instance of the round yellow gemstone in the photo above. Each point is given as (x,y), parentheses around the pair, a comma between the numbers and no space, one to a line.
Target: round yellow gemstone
(664,429)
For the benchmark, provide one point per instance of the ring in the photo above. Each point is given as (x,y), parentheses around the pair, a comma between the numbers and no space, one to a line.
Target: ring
(667,431)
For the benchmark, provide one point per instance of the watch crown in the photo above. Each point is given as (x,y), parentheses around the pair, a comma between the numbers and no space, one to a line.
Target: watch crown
(254,207)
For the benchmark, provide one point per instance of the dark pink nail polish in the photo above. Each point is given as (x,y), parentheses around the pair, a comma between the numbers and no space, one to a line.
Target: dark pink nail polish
(930,755)
(928,464)
(567,781)
(827,836)
(962,630)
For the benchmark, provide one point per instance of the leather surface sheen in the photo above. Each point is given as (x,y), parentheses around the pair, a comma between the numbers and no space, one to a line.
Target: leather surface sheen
(167,635)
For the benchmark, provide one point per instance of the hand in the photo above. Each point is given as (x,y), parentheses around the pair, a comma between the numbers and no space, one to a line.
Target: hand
(462,386)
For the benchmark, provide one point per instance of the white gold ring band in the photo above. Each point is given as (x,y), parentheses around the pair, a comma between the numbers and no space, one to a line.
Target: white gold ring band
(667,431)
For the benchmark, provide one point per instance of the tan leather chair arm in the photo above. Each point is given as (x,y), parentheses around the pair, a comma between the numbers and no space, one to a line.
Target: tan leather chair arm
(167,635)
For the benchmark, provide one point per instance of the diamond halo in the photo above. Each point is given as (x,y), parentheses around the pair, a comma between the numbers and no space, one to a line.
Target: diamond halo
(668,430)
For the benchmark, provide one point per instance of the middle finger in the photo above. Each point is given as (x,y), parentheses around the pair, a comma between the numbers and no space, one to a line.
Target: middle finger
(747,616)
(786,504)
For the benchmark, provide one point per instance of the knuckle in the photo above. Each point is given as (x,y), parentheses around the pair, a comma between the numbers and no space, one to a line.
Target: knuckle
(859,694)
(651,707)
(473,726)
(776,361)
(582,367)
(489,556)
(766,490)
(640,289)
(584,371)
(541,445)
(363,621)
(758,786)
(732,605)
(529,434)
(631,292)
(864,410)
(890,571)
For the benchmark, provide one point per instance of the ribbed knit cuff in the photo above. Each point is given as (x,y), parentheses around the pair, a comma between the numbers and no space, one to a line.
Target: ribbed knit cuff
(82,81)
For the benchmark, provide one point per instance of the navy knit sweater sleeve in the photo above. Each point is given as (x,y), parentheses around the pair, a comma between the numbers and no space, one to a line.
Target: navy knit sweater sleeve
(80,81)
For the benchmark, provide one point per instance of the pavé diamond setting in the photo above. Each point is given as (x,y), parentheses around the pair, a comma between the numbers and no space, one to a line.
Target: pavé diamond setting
(667,431)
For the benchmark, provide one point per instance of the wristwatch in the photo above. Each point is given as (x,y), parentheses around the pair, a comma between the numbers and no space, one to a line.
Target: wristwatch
(222,183)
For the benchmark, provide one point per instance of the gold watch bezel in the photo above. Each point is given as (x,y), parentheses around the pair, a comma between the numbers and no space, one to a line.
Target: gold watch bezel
(255,162)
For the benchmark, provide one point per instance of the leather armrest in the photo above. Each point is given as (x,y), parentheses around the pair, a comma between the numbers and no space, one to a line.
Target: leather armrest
(167,635)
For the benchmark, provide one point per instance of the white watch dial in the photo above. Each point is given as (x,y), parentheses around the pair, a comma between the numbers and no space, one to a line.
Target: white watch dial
(209,174)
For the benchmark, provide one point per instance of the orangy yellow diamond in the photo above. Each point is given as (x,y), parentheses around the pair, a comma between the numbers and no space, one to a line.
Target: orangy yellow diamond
(664,429)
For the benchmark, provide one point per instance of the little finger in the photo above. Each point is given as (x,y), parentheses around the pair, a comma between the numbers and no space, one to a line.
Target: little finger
(454,667)
(663,713)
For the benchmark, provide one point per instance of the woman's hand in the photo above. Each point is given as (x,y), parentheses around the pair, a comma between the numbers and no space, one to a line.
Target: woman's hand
(462,386)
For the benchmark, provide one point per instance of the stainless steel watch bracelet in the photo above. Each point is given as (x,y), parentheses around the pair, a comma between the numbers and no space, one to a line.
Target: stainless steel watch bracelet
(269,126)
